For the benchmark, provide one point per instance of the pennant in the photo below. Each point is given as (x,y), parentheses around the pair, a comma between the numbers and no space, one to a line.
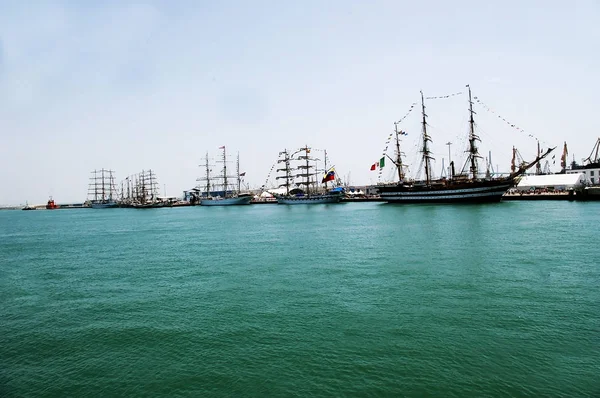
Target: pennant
(222,147)
(382,162)
(373,166)
(242,174)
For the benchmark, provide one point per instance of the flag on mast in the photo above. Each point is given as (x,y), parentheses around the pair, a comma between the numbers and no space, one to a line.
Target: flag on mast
(330,176)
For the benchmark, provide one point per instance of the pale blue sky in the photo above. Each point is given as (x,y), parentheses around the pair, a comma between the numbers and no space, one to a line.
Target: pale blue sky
(132,86)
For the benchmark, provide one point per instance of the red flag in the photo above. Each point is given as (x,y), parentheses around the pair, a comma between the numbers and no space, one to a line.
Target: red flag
(373,166)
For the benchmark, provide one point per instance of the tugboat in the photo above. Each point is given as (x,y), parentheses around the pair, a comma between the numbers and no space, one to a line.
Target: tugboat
(27,207)
(51,205)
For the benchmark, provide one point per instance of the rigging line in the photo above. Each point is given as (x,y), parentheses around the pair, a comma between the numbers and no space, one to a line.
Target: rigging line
(444,96)
(407,113)
(509,123)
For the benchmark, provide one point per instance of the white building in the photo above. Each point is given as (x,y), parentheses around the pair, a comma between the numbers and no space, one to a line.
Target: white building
(559,182)
(591,172)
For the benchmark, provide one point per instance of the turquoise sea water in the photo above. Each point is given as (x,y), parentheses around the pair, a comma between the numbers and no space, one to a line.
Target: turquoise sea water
(327,300)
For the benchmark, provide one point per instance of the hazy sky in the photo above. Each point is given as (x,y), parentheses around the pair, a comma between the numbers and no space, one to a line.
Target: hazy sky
(132,86)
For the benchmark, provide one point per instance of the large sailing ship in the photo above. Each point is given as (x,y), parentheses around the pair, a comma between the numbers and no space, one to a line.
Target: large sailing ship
(145,191)
(226,196)
(465,187)
(102,189)
(306,180)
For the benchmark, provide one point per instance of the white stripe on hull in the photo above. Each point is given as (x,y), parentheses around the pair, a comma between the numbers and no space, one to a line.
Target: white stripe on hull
(458,195)
(243,200)
(309,200)
(448,191)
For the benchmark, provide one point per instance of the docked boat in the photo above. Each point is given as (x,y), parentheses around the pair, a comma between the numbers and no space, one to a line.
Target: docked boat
(51,205)
(27,207)
(146,192)
(218,191)
(306,179)
(465,187)
(102,193)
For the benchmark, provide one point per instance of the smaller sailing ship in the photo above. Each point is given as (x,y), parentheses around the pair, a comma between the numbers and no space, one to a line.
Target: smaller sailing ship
(465,187)
(102,189)
(146,191)
(305,180)
(226,197)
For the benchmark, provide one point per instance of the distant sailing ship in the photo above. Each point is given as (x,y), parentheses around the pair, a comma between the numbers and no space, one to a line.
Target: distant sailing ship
(102,189)
(466,187)
(307,191)
(226,197)
(146,191)
(140,191)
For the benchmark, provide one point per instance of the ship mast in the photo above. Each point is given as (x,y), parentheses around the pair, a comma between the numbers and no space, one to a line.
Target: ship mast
(473,154)
(103,190)
(426,153)
(325,165)
(398,162)
(306,152)
(207,177)
(239,180)
(224,172)
(286,162)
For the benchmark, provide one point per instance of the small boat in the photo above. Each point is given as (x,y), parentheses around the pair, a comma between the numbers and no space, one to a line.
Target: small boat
(27,207)
(307,179)
(51,205)
(468,186)
(228,196)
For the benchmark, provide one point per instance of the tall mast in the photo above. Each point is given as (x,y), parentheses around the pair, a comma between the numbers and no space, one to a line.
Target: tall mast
(426,154)
(286,169)
(473,154)
(207,177)
(306,152)
(399,164)
(103,191)
(95,184)
(538,166)
(112,188)
(239,180)
(224,172)
(325,165)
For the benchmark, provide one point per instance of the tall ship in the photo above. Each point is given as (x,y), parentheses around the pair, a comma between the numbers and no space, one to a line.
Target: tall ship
(219,190)
(467,186)
(299,169)
(102,192)
(146,192)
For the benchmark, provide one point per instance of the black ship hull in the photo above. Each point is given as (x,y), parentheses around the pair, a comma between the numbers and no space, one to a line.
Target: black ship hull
(447,192)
